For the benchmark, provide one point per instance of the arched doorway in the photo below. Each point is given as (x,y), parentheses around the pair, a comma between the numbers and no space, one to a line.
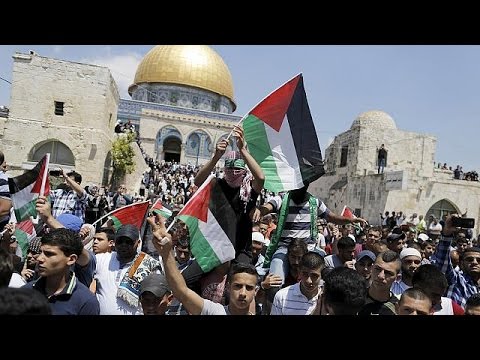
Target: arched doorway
(441,208)
(172,148)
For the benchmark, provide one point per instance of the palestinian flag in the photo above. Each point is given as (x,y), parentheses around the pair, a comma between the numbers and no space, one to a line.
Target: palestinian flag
(25,189)
(347,213)
(211,224)
(282,138)
(158,208)
(134,214)
(25,232)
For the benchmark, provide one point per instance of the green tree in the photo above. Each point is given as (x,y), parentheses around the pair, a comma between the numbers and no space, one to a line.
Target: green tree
(122,156)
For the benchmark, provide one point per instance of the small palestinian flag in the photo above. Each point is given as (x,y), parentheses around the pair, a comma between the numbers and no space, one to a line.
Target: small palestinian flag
(134,214)
(347,213)
(25,189)
(25,232)
(282,138)
(158,208)
(211,224)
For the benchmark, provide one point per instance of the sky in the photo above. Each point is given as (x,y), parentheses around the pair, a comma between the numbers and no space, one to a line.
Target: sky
(428,89)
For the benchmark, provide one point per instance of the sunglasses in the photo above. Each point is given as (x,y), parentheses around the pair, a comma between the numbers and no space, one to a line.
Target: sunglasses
(124,240)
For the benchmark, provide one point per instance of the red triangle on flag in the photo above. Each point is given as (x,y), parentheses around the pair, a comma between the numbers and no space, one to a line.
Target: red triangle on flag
(197,206)
(272,110)
(133,214)
(348,213)
(38,183)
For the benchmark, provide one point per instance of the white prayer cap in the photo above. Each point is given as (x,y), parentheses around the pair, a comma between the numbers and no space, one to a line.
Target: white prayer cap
(410,252)
(258,236)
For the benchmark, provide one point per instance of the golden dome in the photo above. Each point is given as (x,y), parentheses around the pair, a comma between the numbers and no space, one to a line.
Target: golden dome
(191,65)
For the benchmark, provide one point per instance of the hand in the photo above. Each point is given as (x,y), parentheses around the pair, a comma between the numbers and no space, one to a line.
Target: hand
(238,133)
(449,229)
(350,264)
(27,273)
(271,280)
(84,232)
(221,147)
(255,215)
(362,222)
(43,208)
(162,240)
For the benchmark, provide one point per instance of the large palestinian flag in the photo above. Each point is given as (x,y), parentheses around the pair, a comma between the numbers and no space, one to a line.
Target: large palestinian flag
(134,214)
(25,189)
(282,138)
(211,223)
(158,208)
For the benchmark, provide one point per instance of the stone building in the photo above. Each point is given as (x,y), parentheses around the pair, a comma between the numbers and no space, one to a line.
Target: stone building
(182,100)
(65,108)
(410,182)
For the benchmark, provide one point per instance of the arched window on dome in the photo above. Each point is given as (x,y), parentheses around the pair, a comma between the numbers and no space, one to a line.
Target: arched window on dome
(60,154)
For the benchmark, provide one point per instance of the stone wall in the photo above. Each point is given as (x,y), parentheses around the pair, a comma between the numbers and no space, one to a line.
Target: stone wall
(90,98)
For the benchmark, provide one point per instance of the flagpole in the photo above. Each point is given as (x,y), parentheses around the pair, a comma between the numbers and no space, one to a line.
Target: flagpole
(205,183)
(243,118)
(123,207)
(45,174)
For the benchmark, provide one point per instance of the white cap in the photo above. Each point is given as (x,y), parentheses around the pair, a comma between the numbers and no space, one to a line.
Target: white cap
(258,236)
(410,252)
(423,237)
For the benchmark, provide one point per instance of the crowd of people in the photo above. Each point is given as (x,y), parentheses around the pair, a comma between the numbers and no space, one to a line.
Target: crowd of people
(290,254)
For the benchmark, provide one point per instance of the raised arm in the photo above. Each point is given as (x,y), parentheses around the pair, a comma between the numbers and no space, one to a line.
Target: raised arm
(208,167)
(343,220)
(163,243)
(74,185)
(255,169)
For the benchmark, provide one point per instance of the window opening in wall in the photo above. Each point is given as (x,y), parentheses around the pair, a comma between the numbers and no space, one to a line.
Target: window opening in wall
(344,156)
(59,108)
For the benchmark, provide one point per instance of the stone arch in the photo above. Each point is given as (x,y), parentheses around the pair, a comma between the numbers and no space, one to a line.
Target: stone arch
(60,154)
(441,208)
(168,144)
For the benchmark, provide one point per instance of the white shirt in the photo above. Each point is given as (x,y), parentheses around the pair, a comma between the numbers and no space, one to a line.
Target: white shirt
(108,275)
(291,301)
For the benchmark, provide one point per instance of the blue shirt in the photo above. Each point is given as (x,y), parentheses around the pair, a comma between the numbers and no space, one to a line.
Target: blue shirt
(74,299)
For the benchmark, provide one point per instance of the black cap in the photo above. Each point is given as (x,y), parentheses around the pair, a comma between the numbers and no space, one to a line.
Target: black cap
(156,284)
(129,231)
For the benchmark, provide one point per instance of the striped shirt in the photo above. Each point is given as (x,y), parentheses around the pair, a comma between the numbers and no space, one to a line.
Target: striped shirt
(297,222)
(291,301)
(4,193)
(461,285)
